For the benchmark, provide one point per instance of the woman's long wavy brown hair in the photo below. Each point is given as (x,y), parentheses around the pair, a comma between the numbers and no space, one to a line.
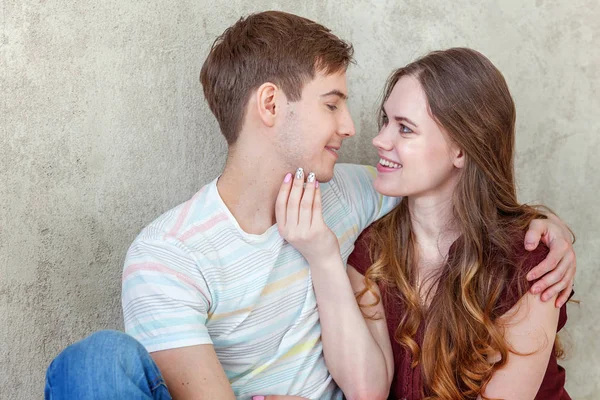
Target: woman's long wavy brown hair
(470,99)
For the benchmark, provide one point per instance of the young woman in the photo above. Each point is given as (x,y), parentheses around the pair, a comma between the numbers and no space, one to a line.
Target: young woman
(445,310)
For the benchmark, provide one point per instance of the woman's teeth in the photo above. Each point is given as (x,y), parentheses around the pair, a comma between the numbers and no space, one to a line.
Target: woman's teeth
(389,164)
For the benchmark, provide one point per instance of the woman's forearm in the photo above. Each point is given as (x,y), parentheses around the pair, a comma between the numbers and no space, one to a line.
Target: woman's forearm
(354,358)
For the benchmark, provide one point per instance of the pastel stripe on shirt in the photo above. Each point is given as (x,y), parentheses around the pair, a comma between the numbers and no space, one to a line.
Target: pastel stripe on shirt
(193,276)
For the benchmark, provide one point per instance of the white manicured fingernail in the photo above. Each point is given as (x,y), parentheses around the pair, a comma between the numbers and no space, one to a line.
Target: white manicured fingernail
(299,173)
(311,177)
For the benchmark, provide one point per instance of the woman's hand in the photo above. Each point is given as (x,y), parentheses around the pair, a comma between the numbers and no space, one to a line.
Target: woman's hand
(300,218)
(558,269)
(278,397)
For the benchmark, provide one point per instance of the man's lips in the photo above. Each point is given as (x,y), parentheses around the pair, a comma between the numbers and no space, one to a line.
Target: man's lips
(333,150)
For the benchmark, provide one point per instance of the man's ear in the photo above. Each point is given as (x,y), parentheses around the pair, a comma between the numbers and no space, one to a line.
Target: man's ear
(459,157)
(266,103)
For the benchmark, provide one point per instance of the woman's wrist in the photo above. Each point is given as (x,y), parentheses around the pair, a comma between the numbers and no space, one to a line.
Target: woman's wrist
(326,262)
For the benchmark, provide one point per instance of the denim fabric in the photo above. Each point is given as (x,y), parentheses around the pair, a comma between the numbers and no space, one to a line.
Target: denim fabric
(107,365)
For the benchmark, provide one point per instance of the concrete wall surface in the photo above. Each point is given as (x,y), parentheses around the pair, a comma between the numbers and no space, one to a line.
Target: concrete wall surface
(104,127)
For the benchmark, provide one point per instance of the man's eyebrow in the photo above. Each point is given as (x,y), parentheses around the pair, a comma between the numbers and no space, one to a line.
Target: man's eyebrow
(336,92)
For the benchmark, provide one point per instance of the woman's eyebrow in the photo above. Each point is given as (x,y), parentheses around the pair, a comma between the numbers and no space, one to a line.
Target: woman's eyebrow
(401,118)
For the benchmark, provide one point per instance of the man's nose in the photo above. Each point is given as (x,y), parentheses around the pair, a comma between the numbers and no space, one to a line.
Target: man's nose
(346,127)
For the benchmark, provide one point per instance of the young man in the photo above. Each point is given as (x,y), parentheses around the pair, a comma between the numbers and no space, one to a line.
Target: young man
(222,303)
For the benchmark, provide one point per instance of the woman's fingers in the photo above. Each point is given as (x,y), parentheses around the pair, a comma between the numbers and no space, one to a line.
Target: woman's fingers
(293,205)
(282,201)
(317,217)
(306,204)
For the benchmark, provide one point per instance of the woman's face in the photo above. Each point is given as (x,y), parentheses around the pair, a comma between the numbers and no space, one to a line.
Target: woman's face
(416,155)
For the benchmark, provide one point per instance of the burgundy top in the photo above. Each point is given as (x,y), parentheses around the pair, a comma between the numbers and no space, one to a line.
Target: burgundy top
(407,381)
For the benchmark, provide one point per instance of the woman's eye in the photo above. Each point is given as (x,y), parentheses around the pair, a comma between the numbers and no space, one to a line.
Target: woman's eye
(405,129)
(384,120)
(331,107)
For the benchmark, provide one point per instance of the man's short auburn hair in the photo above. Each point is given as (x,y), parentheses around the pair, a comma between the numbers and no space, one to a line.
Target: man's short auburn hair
(270,46)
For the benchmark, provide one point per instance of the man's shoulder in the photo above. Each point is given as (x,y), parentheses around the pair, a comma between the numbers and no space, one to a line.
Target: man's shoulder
(349,178)
(177,222)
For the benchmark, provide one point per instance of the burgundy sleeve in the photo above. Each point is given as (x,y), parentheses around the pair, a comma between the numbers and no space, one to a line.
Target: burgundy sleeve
(511,294)
(524,261)
(360,258)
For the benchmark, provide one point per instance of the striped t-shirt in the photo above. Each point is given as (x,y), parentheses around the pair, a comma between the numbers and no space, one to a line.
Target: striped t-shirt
(193,276)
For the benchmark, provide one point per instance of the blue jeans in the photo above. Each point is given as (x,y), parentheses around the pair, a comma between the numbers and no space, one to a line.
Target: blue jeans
(106,365)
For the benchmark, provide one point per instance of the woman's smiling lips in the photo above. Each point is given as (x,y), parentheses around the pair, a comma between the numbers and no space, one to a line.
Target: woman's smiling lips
(387,165)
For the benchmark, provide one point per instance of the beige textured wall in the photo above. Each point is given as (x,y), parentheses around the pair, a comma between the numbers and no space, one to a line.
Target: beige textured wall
(104,127)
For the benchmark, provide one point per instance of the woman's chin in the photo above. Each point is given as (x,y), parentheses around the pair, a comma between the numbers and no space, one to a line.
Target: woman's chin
(388,188)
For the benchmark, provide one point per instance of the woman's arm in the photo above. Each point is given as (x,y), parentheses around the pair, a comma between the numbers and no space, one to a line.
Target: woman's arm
(375,319)
(358,353)
(530,328)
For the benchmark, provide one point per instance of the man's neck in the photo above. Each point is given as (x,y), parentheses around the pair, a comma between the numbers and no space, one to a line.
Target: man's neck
(249,186)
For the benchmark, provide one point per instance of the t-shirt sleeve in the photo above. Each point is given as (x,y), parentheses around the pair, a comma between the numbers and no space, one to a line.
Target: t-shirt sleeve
(165,297)
(353,184)
(360,258)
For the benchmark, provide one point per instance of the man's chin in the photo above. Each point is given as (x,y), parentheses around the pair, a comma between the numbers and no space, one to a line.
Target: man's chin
(324,177)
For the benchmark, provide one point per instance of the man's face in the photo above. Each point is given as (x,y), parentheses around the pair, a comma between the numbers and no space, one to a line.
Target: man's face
(313,128)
